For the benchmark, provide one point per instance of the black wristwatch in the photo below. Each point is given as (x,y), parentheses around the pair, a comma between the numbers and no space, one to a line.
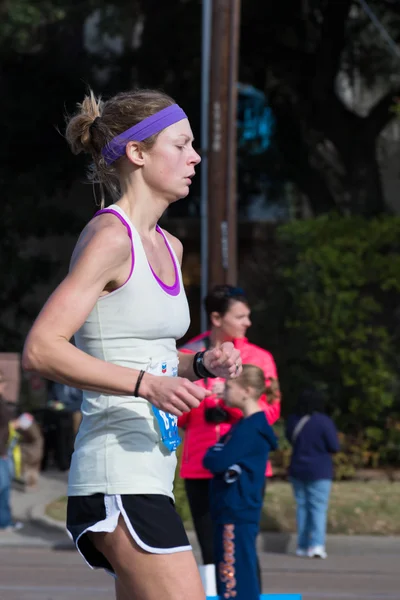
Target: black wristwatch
(198,366)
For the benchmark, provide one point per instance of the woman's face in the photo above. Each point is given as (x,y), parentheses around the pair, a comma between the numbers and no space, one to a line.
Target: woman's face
(235,322)
(170,164)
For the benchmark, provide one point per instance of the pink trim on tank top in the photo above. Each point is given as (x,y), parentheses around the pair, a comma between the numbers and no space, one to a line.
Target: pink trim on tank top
(172,290)
(124,222)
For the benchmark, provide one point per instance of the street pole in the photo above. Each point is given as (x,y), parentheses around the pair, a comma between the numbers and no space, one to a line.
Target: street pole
(205,101)
(222,212)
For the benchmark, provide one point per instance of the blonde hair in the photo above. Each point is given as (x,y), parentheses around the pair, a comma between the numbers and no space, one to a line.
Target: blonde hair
(96,123)
(252,376)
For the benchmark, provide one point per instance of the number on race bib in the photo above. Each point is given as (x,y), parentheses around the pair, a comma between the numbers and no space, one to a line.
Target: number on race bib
(165,418)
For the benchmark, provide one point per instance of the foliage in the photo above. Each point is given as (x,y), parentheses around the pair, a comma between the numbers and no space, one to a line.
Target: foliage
(342,278)
(324,294)
(311,57)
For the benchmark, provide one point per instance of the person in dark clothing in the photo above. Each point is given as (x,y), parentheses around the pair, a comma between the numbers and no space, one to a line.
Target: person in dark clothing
(314,438)
(58,424)
(238,464)
(7,413)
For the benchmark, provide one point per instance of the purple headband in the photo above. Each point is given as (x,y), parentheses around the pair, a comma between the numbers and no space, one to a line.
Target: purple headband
(143,130)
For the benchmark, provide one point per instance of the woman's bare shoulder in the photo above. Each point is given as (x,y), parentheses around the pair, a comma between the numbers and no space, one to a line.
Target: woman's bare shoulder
(103,235)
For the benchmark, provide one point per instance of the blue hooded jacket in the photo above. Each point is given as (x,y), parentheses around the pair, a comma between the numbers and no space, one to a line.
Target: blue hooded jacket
(238,462)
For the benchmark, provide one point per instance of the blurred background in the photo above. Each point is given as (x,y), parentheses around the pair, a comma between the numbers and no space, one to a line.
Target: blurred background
(302,184)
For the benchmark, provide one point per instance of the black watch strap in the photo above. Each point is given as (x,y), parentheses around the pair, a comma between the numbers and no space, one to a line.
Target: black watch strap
(198,366)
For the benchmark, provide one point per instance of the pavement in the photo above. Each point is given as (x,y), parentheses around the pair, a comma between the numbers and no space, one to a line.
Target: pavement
(32,566)
(29,507)
(42,531)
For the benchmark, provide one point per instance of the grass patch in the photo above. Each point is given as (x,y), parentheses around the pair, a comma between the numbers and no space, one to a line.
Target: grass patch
(57,509)
(356,508)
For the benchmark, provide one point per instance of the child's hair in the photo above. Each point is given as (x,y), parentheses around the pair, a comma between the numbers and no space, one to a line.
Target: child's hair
(252,376)
(273,391)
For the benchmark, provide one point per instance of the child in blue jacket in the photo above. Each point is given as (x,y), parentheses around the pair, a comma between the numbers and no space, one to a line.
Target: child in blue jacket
(238,463)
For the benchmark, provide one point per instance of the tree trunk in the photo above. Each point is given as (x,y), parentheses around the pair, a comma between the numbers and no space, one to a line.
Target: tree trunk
(365,185)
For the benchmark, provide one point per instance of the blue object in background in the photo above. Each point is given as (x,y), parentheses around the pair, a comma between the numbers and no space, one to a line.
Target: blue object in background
(255,121)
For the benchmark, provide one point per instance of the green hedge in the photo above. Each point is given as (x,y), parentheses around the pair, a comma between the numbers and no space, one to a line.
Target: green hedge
(330,313)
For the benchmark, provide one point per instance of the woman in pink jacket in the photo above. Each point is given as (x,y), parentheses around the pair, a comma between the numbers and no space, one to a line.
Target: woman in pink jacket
(229,314)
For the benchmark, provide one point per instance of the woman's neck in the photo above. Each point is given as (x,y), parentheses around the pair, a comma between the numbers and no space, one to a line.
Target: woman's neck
(217,337)
(143,207)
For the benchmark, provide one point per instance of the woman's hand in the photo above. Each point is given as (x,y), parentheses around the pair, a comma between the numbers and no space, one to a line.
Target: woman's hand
(218,388)
(174,395)
(224,361)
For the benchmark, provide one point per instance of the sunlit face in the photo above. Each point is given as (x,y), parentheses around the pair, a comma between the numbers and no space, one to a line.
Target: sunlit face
(234,323)
(170,164)
(234,395)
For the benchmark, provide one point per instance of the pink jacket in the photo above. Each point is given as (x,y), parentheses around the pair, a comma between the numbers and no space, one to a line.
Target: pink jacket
(200,435)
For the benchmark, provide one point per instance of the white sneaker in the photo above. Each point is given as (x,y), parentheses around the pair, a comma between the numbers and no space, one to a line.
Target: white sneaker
(301,552)
(317,552)
(16,526)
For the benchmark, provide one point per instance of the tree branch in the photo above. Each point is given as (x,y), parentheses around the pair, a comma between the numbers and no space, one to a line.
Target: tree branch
(381,114)
(332,42)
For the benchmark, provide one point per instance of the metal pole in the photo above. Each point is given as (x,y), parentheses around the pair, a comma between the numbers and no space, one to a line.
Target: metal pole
(231,203)
(205,96)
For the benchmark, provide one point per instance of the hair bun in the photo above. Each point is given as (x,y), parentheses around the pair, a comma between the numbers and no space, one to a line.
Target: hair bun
(80,127)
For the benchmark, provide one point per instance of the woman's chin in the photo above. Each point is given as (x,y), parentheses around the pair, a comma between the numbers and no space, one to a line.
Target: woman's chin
(179,195)
(185,191)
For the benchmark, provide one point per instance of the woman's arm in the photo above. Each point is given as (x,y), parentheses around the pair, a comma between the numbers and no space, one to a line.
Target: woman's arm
(331,436)
(98,261)
(223,361)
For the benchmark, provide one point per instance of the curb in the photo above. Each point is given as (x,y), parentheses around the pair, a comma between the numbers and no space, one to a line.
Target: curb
(267,542)
(38,517)
(56,529)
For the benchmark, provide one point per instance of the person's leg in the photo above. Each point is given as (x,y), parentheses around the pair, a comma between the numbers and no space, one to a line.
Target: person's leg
(5,486)
(236,558)
(318,493)
(120,593)
(146,576)
(299,492)
(197,491)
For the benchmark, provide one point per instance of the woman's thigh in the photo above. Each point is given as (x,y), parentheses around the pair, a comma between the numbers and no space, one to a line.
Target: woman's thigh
(146,576)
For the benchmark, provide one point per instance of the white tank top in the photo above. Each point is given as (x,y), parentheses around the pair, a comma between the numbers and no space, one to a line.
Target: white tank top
(118,449)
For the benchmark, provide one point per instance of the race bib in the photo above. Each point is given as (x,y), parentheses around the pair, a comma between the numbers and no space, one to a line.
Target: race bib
(167,423)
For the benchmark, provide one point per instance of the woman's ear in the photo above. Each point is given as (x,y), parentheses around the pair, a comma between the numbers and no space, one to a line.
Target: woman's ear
(134,153)
(215,319)
(250,391)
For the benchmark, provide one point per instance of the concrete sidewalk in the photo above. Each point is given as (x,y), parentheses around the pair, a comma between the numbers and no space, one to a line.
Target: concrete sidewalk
(29,508)
(41,531)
